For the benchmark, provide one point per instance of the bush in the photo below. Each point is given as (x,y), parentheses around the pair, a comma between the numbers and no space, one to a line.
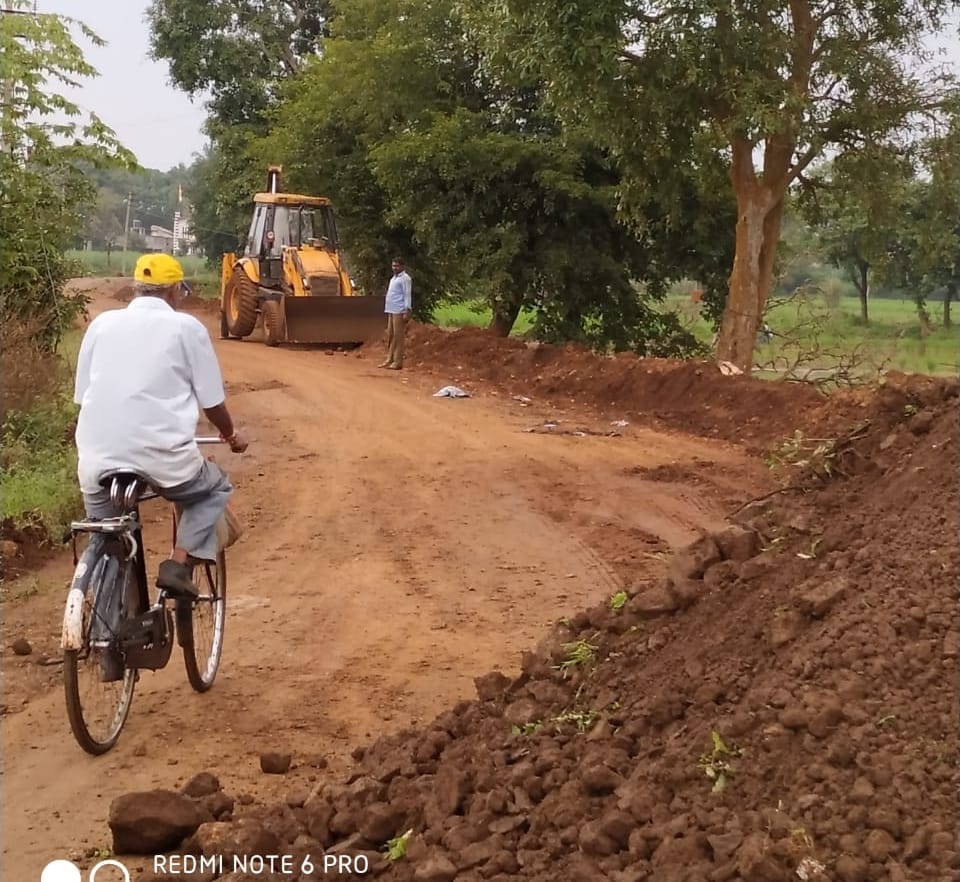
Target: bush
(39,466)
(31,372)
(38,462)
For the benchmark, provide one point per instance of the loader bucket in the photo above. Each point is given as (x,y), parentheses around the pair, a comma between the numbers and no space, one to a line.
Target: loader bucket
(319,319)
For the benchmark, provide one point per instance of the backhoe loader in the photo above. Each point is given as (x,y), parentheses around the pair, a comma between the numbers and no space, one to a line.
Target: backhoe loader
(293,276)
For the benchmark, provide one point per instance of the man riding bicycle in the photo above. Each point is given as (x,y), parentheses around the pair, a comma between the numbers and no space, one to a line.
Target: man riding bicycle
(143,375)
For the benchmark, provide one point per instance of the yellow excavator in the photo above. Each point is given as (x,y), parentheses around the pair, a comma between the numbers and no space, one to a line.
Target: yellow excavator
(293,276)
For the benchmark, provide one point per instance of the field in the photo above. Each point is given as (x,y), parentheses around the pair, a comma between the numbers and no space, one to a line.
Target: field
(99,263)
(807,330)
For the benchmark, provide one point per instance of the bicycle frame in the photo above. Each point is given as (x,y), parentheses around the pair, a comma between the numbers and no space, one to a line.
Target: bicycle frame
(128,529)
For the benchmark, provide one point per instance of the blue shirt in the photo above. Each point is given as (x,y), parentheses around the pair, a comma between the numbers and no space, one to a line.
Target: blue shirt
(399,294)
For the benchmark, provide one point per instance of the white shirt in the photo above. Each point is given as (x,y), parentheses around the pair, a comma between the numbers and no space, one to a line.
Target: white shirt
(143,373)
(399,294)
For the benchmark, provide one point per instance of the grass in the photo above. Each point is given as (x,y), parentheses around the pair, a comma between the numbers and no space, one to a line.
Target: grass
(99,263)
(892,339)
(39,470)
(475,315)
(39,464)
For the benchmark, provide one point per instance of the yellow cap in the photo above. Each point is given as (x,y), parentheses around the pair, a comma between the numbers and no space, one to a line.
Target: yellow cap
(158,269)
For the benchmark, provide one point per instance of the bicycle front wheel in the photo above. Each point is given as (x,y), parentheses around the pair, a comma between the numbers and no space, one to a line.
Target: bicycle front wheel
(200,623)
(98,688)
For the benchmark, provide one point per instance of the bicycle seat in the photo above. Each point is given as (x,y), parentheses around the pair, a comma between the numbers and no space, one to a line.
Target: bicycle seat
(124,476)
(126,486)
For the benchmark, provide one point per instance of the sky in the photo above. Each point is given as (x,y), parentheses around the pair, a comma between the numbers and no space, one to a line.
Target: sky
(134,96)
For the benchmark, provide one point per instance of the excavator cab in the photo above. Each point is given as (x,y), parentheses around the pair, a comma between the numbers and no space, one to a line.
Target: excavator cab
(293,275)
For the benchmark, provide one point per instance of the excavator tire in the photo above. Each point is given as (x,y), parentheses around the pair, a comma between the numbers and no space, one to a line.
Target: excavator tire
(224,330)
(241,313)
(272,323)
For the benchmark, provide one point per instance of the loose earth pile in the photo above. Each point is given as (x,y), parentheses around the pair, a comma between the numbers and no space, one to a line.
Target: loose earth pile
(782,705)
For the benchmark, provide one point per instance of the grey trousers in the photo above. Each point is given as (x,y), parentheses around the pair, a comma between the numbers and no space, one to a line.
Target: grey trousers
(201,500)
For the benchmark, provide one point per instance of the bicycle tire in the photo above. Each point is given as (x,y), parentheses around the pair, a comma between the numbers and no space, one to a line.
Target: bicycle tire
(94,743)
(202,672)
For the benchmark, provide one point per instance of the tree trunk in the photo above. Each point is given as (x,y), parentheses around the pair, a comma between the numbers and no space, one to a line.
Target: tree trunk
(504,318)
(948,298)
(758,234)
(863,289)
(925,325)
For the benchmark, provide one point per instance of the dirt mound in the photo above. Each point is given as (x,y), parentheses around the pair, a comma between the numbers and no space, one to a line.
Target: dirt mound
(781,706)
(200,305)
(690,395)
(23,549)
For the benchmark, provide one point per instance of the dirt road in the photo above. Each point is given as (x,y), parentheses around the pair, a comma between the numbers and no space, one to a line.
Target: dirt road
(398,545)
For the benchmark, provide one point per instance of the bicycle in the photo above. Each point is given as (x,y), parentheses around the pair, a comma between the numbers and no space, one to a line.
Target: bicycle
(110,629)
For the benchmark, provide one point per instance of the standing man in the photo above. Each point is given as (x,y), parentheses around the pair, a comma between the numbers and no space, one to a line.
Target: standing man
(398,305)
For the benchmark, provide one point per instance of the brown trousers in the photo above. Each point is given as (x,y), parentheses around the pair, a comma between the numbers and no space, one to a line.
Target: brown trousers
(396,330)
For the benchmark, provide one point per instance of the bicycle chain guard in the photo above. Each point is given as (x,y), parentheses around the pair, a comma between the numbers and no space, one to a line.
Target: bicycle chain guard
(147,639)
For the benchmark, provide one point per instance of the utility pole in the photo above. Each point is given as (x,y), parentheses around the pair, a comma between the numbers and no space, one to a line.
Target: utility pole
(126,230)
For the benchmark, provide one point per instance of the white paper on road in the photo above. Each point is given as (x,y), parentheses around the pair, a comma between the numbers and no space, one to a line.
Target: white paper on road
(451,392)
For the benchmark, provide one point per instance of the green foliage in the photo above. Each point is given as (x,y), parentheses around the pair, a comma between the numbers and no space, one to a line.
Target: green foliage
(153,200)
(716,763)
(39,467)
(619,600)
(530,728)
(857,206)
(926,252)
(579,654)
(397,847)
(814,455)
(45,186)
(235,51)
(466,175)
(581,720)
(221,184)
(237,54)
(682,91)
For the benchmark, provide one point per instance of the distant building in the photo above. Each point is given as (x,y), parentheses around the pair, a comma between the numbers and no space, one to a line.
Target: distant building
(184,242)
(159,239)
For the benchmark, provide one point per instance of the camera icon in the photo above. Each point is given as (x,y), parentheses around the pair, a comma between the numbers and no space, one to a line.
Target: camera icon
(68,871)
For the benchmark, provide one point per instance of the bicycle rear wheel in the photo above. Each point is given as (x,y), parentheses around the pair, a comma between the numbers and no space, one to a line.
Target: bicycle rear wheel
(200,623)
(97,709)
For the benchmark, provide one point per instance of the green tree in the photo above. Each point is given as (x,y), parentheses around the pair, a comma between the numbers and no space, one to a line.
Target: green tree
(237,54)
(45,187)
(235,51)
(765,86)
(423,152)
(104,226)
(925,255)
(857,205)
(220,187)
(939,252)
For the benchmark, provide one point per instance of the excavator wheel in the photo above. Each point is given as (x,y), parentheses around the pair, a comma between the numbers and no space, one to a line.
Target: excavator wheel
(272,323)
(224,330)
(241,312)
